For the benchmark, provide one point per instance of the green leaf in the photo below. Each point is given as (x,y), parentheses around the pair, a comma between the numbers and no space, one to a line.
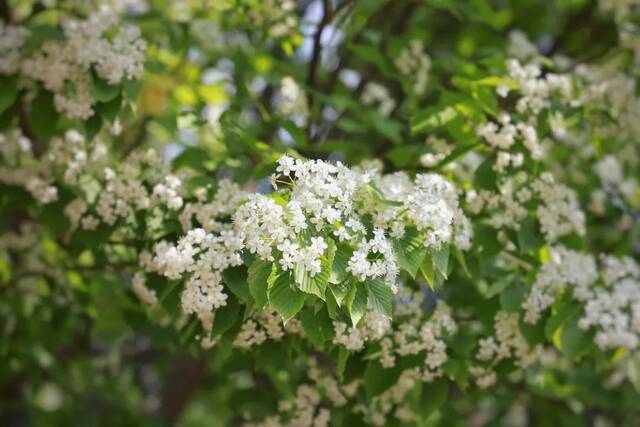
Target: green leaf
(410,251)
(92,126)
(574,341)
(441,259)
(378,197)
(485,177)
(571,340)
(378,379)
(132,89)
(487,99)
(237,281)
(380,296)
(341,363)
(332,306)
(225,317)
(428,270)
(8,92)
(340,290)
(459,255)
(283,297)
(529,236)
(512,297)
(357,301)
(432,118)
(43,117)
(433,397)
(317,326)
(316,285)
(109,110)
(341,258)
(257,277)
(406,155)
(102,91)
(561,313)
(369,54)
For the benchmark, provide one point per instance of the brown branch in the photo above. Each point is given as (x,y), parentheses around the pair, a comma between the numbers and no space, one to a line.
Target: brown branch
(25,127)
(316,59)
(180,386)
(317,45)
(5,11)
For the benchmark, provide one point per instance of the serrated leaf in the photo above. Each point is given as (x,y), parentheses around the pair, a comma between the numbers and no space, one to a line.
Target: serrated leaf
(332,306)
(410,251)
(257,277)
(341,258)
(283,297)
(428,271)
(316,285)
(441,259)
(236,280)
(357,301)
(340,290)
(380,296)
(317,326)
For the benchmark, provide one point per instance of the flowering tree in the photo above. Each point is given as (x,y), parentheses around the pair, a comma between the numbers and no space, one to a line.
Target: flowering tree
(314,213)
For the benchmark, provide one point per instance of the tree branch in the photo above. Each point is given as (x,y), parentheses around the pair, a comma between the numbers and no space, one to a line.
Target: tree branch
(180,386)
(5,11)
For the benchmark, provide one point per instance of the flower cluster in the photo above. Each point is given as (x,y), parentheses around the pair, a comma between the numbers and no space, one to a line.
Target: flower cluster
(262,326)
(565,268)
(12,38)
(203,256)
(378,95)
(62,65)
(415,64)
(611,305)
(508,343)
(293,101)
(614,309)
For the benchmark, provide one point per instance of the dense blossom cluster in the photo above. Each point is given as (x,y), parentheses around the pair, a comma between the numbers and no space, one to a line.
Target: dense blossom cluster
(264,326)
(322,206)
(62,65)
(611,299)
